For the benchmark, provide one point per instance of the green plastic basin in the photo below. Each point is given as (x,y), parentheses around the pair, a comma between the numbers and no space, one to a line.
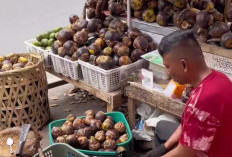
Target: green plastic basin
(117,117)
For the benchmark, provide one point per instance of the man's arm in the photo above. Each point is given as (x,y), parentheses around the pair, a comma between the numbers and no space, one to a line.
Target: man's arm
(181,151)
(174,139)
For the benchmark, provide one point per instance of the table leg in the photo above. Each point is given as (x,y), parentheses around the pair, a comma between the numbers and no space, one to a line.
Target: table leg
(131,112)
(110,107)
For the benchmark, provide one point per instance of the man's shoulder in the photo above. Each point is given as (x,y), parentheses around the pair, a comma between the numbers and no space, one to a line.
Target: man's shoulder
(218,85)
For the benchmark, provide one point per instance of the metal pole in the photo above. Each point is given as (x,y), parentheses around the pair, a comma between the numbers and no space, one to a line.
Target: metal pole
(129,14)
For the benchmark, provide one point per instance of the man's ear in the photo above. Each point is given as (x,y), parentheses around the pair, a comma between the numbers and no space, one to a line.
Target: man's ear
(184,64)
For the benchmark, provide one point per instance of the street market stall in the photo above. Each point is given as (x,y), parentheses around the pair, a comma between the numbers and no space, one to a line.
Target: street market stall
(101,52)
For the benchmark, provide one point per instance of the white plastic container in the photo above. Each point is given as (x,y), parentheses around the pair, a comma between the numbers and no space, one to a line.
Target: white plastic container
(66,67)
(108,80)
(44,53)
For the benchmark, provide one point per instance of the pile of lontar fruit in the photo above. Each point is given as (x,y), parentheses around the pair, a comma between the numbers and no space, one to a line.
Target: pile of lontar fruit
(106,43)
(96,132)
(45,40)
(13,62)
(95,8)
(210,20)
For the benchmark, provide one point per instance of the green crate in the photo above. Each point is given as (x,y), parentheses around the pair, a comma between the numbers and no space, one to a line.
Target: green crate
(61,150)
(117,117)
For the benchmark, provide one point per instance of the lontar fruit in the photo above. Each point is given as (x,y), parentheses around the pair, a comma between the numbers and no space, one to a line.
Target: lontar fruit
(218,29)
(149,15)
(204,19)
(226,40)
(162,19)
(136,4)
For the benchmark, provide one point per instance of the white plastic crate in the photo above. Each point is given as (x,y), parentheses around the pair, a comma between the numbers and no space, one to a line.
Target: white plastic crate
(44,53)
(107,80)
(66,67)
(61,150)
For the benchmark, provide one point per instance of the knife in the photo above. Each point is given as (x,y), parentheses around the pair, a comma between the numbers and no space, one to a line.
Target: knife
(24,131)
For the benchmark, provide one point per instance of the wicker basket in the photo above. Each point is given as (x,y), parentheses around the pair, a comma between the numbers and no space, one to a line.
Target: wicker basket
(24,95)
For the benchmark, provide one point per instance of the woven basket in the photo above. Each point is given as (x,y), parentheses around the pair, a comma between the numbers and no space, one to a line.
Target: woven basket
(24,95)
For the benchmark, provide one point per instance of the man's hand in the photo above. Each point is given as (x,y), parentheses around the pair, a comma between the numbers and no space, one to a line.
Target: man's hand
(159,151)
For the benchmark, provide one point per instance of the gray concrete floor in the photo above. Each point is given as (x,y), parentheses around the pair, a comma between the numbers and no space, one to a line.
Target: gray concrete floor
(66,102)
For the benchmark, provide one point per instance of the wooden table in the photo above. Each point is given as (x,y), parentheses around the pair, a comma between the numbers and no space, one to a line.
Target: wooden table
(113,99)
(136,91)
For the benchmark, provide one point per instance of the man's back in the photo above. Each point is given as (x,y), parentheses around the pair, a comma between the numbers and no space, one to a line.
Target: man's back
(206,122)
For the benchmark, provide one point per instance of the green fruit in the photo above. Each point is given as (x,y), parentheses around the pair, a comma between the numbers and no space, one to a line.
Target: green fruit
(57,29)
(36,43)
(44,42)
(46,35)
(56,35)
(50,42)
(52,35)
(48,48)
(39,37)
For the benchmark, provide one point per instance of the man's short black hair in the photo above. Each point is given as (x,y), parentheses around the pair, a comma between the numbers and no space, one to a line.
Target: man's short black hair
(178,38)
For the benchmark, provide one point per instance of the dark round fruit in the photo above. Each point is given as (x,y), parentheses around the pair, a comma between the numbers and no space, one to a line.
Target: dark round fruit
(90,112)
(226,40)
(81,37)
(141,43)
(163,19)
(109,144)
(100,115)
(123,138)
(133,33)
(67,129)
(65,35)
(218,29)
(107,125)
(70,47)
(100,135)
(135,55)
(56,131)
(83,141)
(94,144)
(120,127)
(112,134)
(105,62)
(121,49)
(90,13)
(79,123)
(71,117)
(73,18)
(95,125)
(94,25)
(88,119)
(117,24)
(102,32)
(72,140)
(61,139)
(204,19)
(124,60)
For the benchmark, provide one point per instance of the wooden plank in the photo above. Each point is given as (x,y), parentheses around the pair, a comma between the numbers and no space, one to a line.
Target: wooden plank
(57,83)
(155,99)
(105,96)
(216,50)
(132,112)
(153,27)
